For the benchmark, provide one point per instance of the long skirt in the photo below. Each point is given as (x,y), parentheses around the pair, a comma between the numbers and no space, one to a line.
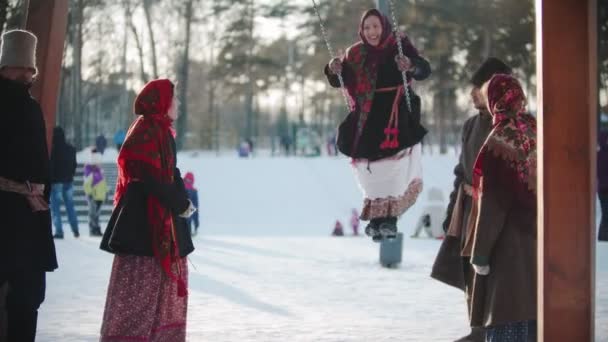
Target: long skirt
(513,332)
(142,302)
(390,185)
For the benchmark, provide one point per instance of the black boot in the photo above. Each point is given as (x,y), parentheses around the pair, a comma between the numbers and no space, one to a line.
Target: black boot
(372,228)
(388,228)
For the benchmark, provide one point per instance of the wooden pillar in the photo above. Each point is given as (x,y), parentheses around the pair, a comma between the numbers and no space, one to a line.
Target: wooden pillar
(567,96)
(47,19)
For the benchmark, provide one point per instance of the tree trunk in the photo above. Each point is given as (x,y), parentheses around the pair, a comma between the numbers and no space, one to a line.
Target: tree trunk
(442,103)
(4,5)
(140,52)
(76,74)
(487,44)
(182,121)
(147,6)
(123,113)
(25,5)
(250,87)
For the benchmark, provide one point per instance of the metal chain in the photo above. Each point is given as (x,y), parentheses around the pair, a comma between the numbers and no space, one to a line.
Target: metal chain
(331,53)
(400,47)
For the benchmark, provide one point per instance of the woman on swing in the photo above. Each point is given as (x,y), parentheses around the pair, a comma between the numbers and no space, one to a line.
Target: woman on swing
(381,134)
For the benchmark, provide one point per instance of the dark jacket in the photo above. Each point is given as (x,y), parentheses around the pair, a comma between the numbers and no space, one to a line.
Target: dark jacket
(411,131)
(101,143)
(63,158)
(26,241)
(128,230)
(474,133)
(450,267)
(602,161)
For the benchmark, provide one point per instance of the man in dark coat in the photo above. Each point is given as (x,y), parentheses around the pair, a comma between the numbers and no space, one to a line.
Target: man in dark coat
(63,169)
(27,250)
(474,133)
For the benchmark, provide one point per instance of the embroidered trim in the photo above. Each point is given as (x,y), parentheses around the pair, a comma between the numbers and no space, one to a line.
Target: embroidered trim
(392,206)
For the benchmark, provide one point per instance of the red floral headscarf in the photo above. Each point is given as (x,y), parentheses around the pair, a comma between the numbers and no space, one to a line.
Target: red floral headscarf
(513,136)
(147,154)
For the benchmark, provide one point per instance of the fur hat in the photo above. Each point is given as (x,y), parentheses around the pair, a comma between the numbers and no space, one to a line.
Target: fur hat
(489,68)
(18,49)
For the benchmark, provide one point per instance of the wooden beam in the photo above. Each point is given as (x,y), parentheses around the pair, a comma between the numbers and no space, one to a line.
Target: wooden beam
(567,89)
(47,19)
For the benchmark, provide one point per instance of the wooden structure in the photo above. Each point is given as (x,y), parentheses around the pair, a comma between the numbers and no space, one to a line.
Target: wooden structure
(566,32)
(47,19)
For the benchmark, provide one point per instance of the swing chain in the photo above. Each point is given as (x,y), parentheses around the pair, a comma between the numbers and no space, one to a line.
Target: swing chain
(331,53)
(400,47)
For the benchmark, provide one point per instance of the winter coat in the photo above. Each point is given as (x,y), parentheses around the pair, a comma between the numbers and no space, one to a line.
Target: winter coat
(119,137)
(101,143)
(128,230)
(450,267)
(507,218)
(95,185)
(602,161)
(26,241)
(63,158)
(474,132)
(411,131)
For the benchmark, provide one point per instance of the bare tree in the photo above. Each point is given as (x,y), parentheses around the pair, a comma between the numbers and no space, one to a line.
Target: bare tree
(4,8)
(147,4)
(77,20)
(140,49)
(183,73)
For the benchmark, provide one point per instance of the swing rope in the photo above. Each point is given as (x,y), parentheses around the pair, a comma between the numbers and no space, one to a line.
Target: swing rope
(331,53)
(400,47)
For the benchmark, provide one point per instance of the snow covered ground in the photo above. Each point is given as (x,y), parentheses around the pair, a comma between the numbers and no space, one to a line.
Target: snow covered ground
(265,268)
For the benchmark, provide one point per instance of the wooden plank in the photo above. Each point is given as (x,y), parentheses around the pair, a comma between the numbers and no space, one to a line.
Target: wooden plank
(567,89)
(47,19)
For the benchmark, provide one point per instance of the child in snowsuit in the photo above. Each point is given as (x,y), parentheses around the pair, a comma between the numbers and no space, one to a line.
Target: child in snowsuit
(96,189)
(193,196)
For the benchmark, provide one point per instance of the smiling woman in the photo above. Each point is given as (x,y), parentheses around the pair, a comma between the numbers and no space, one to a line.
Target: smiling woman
(382,134)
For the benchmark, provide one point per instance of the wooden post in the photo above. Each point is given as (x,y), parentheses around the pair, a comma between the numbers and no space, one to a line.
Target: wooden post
(47,19)
(567,96)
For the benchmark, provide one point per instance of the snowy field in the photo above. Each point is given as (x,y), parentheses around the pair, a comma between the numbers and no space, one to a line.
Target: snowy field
(265,268)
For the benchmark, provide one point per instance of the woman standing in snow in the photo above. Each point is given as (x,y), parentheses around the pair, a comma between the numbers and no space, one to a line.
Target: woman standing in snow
(501,234)
(147,297)
(381,134)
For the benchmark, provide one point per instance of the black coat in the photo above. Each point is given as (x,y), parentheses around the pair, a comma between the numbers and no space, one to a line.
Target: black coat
(411,131)
(26,241)
(63,159)
(128,231)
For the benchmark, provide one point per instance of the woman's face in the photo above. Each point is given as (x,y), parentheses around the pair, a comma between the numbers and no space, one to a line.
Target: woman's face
(173,110)
(484,96)
(372,30)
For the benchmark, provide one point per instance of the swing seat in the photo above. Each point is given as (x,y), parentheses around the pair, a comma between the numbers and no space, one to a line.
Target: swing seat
(391,251)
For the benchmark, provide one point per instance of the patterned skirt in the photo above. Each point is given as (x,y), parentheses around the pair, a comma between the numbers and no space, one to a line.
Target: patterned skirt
(142,303)
(391,185)
(514,332)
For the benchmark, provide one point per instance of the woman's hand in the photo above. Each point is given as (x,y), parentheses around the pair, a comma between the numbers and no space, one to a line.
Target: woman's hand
(335,66)
(403,63)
